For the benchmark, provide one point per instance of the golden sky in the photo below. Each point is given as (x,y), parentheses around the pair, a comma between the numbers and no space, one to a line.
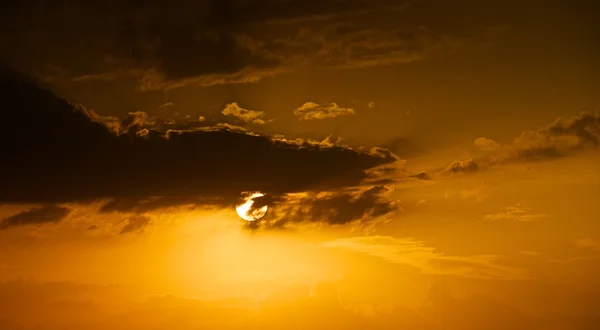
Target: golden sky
(424,164)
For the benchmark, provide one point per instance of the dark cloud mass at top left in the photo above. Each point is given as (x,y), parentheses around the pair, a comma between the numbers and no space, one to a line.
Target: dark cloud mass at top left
(169,44)
(53,152)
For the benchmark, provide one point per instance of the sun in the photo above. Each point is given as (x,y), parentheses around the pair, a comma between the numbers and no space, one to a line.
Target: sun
(245,210)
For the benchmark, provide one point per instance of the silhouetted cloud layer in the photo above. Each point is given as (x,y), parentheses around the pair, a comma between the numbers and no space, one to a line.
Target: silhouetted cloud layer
(515,213)
(36,216)
(56,152)
(170,44)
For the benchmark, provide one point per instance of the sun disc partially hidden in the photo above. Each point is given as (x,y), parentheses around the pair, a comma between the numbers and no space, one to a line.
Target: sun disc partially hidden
(245,210)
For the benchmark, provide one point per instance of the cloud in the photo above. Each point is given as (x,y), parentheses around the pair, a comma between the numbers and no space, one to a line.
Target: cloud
(36,216)
(311,110)
(249,116)
(486,144)
(410,252)
(166,105)
(561,138)
(138,118)
(515,213)
(138,205)
(421,176)
(168,45)
(135,224)
(360,205)
(141,123)
(58,153)
(462,166)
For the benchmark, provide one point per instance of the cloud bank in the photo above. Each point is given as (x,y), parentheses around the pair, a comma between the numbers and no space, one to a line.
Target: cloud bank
(57,152)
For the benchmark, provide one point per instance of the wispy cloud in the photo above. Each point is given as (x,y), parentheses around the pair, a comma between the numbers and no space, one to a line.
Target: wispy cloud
(515,213)
(166,105)
(414,253)
(311,110)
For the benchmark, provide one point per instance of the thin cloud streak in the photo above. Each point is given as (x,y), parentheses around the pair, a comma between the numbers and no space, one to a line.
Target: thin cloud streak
(413,253)
(311,111)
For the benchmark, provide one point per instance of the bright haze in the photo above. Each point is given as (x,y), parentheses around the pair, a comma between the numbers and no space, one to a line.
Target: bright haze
(289,164)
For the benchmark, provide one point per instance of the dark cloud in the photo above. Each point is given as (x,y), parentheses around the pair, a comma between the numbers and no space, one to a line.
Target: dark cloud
(252,58)
(135,224)
(142,124)
(462,166)
(56,153)
(143,205)
(36,216)
(170,44)
(421,176)
(332,207)
(561,138)
(564,136)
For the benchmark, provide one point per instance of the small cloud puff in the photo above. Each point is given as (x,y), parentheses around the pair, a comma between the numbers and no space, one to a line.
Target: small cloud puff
(311,110)
(246,115)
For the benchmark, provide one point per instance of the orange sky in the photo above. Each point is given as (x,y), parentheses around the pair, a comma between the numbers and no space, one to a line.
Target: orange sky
(426,165)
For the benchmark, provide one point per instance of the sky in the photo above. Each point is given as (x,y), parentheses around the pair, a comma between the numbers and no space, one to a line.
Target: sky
(424,164)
